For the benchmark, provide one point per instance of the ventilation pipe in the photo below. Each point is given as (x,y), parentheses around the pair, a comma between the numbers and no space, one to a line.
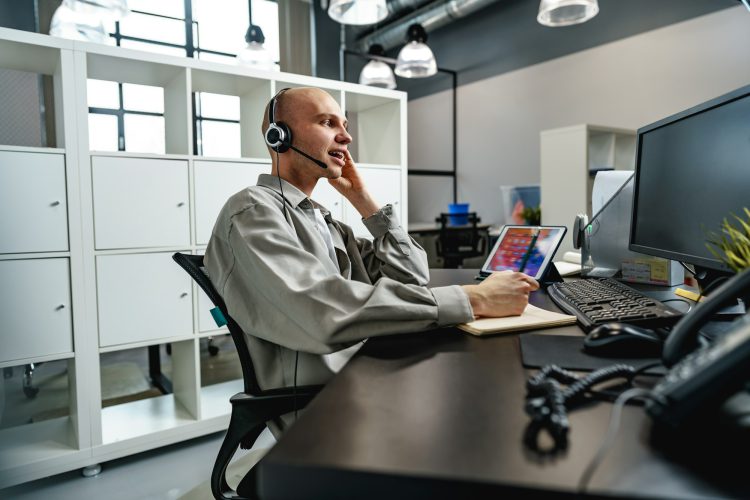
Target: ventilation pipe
(431,17)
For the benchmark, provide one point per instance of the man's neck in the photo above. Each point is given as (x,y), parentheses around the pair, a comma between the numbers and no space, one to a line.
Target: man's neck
(296,176)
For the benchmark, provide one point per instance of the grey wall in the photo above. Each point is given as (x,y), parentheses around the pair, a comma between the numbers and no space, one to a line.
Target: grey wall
(505,37)
(627,83)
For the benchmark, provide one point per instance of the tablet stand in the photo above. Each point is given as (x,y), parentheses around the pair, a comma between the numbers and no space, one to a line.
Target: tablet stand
(551,275)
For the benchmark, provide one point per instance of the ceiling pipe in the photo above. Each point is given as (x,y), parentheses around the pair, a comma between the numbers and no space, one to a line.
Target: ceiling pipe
(431,17)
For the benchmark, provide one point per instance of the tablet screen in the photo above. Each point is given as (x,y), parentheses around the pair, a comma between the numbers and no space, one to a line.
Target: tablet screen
(528,249)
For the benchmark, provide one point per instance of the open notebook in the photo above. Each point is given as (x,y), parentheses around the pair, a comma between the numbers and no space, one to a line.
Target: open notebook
(532,318)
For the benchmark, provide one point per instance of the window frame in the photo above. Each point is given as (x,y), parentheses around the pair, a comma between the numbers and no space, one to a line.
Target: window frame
(192,48)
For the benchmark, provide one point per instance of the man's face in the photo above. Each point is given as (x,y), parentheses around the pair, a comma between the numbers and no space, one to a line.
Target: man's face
(319,129)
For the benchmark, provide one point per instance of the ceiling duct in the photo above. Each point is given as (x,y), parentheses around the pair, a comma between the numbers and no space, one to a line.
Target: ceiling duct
(431,17)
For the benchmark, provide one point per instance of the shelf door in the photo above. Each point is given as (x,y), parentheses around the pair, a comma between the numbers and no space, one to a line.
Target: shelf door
(33,203)
(327,196)
(142,297)
(215,182)
(140,202)
(35,317)
(385,186)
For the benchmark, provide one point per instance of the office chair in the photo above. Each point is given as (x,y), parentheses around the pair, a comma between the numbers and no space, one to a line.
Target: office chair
(253,407)
(456,243)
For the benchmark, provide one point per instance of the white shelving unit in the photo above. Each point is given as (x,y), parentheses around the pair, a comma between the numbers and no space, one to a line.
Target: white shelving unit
(87,239)
(570,159)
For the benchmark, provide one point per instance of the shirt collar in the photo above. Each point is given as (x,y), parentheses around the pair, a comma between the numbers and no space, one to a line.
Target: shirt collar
(292,194)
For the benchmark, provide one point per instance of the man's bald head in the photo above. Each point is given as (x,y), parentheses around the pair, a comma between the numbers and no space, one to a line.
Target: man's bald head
(292,104)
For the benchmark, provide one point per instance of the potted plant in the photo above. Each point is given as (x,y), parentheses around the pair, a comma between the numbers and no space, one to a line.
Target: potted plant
(732,244)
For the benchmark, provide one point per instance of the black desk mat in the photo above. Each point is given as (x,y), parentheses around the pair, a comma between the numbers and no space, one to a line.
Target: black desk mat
(566,352)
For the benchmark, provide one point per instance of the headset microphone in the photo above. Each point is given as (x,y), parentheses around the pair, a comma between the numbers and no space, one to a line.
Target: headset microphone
(317,162)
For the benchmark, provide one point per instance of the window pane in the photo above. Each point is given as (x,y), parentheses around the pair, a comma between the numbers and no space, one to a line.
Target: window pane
(153,28)
(152,47)
(144,134)
(220,139)
(142,98)
(222,24)
(266,15)
(102,132)
(102,94)
(226,107)
(174,8)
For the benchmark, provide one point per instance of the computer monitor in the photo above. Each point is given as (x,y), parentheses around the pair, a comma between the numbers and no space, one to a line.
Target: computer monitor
(692,171)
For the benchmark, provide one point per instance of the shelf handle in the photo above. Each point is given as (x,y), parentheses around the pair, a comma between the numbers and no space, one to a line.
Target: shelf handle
(54,203)
(183,295)
(181,204)
(60,307)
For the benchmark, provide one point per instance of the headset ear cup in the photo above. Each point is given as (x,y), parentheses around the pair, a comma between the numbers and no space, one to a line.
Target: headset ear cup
(278,137)
(285,141)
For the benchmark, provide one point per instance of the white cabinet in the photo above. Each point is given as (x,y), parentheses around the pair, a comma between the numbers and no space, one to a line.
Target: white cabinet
(33,202)
(94,232)
(384,185)
(570,158)
(140,202)
(142,297)
(327,196)
(35,318)
(215,182)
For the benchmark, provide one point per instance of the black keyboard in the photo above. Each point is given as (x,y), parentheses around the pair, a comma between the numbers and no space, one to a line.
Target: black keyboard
(594,301)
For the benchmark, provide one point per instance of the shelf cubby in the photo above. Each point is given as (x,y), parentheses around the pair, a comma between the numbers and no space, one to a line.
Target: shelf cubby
(375,126)
(253,94)
(172,79)
(148,410)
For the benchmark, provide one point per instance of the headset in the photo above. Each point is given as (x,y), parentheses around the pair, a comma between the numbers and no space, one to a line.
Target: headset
(278,135)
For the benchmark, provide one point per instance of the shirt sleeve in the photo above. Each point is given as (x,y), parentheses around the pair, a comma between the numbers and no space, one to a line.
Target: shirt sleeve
(281,293)
(392,253)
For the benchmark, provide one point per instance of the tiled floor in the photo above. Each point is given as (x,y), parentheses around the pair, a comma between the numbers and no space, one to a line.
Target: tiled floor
(168,473)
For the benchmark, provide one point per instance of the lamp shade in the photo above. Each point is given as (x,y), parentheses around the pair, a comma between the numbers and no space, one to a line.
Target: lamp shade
(377,74)
(566,12)
(84,20)
(416,60)
(357,12)
(255,54)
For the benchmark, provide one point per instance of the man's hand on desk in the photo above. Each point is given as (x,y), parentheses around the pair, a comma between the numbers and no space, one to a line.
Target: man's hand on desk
(501,294)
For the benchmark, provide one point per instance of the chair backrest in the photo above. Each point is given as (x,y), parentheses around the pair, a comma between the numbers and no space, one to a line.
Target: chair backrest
(193,264)
(460,241)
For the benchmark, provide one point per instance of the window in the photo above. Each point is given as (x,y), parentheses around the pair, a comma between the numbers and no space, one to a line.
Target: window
(129,117)
(125,117)
(217,125)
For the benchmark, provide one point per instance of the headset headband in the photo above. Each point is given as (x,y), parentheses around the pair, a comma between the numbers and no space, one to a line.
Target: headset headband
(272,106)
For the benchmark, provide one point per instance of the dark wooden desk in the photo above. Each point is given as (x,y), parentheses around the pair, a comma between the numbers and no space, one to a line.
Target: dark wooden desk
(440,415)
(427,228)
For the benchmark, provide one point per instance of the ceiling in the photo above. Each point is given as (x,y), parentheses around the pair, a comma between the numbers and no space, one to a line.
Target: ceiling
(505,36)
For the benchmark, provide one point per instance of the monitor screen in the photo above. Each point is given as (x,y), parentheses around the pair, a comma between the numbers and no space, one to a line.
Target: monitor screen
(692,171)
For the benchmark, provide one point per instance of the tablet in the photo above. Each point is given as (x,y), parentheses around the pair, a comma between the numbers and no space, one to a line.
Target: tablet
(528,249)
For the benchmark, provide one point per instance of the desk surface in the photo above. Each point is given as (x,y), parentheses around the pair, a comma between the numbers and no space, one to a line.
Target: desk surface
(441,415)
(434,227)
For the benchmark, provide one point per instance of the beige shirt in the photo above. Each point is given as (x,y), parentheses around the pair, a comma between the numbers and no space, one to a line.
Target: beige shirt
(280,284)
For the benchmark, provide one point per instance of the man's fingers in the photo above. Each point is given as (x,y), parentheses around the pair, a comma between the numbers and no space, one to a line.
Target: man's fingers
(528,279)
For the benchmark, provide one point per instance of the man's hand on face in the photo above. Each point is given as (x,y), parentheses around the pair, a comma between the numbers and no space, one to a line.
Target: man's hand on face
(501,294)
(349,182)
(350,185)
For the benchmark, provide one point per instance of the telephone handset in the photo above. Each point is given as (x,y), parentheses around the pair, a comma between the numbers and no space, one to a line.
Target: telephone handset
(699,382)
(684,336)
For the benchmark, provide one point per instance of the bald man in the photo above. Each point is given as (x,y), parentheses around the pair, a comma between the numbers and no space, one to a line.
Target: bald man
(301,285)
